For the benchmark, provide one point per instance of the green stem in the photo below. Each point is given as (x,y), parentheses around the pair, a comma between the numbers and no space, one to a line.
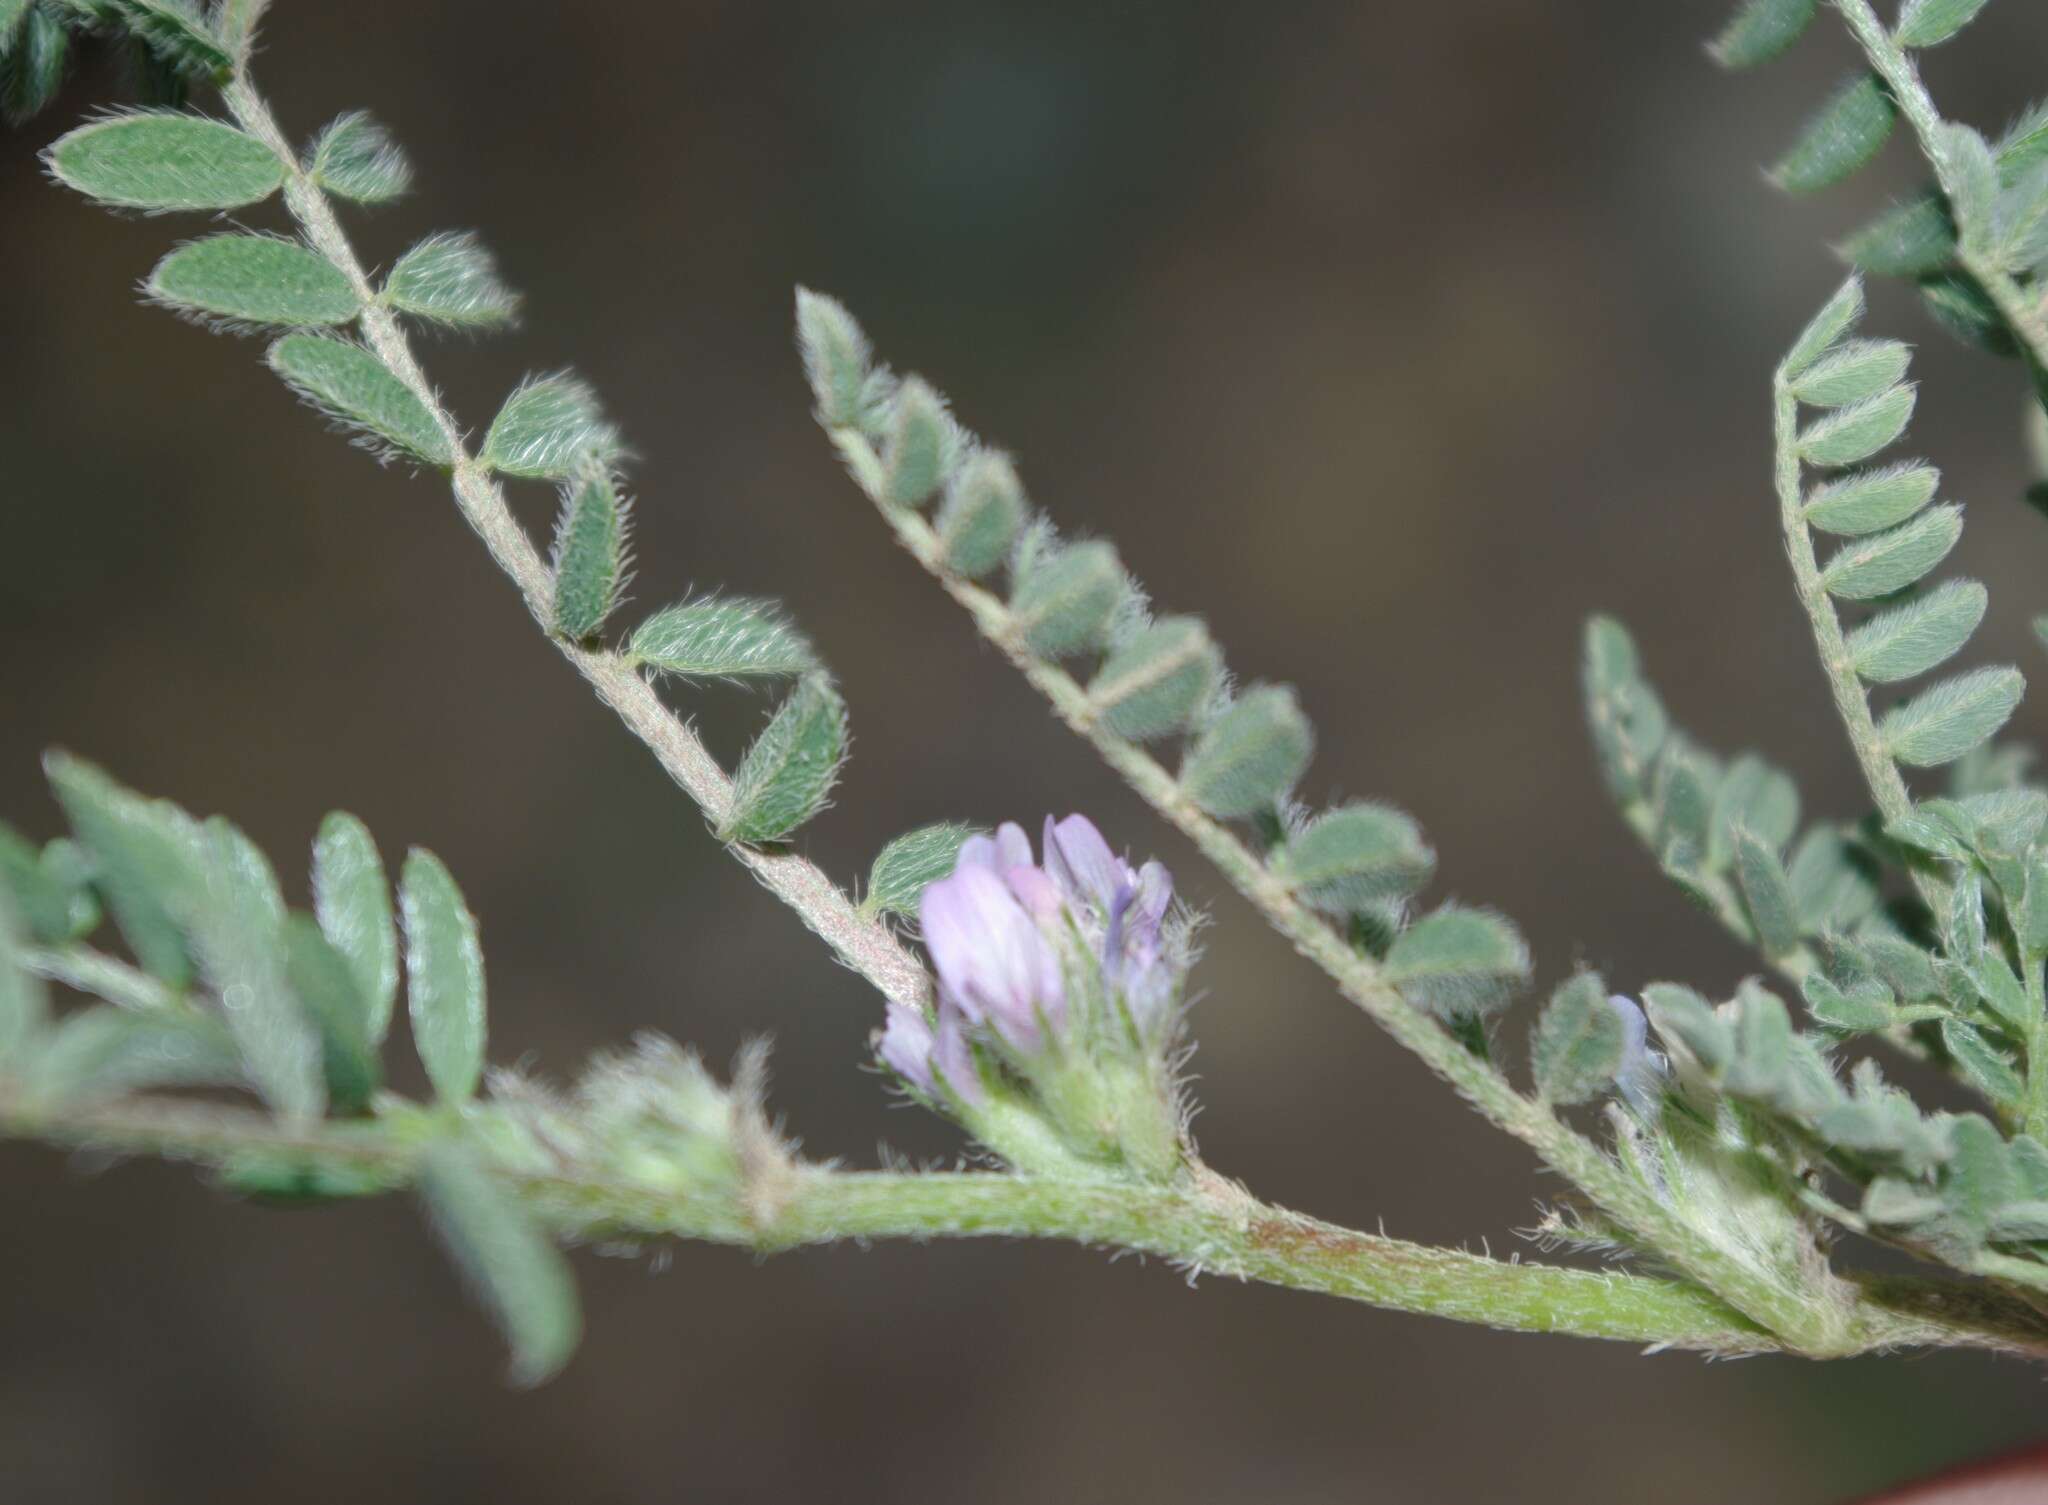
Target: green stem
(1807,1315)
(862,943)
(1206,1225)
(1894,64)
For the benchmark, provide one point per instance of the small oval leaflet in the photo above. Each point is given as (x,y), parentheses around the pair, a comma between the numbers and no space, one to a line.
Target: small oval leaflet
(1362,854)
(1837,317)
(906,865)
(1912,638)
(165,160)
(1946,720)
(147,854)
(1767,895)
(1760,30)
(1870,500)
(1911,239)
(510,1261)
(920,446)
(351,386)
(254,279)
(1154,684)
(352,899)
(1854,433)
(356,158)
(1250,756)
(1065,604)
(725,637)
(786,775)
(835,356)
(1853,372)
(1578,1042)
(444,977)
(548,428)
(1886,562)
(327,989)
(1928,23)
(452,279)
(979,519)
(1848,131)
(590,556)
(1458,962)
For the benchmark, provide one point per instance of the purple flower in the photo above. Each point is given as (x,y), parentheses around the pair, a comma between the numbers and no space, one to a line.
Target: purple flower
(1641,1073)
(906,1046)
(995,965)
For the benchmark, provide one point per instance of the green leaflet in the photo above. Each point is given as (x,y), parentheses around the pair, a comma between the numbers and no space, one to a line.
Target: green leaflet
(911,861)
(1854,371)
(981,515)
(1755,797)
(549,429)
(1682,1017)
(148,856)
(1980,1063)
(1458,963)
(1945,721)
(1153,685)
(1855,433)
(1578,1042)
(351,386)
(1911,239)
(510,1261)
(1250,756)
(835,356)
(33,71)
(444,971)
(1848,131)
(1837,317)
(327,988)
(451,279)
(1065,604)
(1349,859)
(590,556)
(789,771)
(922,446)
(103,1051)
(1760,30)
(163,160)
(1833,884)
(1869,500)
(725,637)
(254,279)
(48,890)
(356,158)
(1929,23)
(1623,713)
(1886,562)
(1767,895)
(236,922)
(352,898)
(1914,637)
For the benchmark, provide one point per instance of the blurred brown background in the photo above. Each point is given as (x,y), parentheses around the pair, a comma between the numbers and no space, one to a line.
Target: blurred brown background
(1394,339)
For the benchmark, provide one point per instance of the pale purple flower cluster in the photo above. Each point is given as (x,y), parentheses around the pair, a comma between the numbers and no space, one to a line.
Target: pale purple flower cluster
(1020,945)
(1641,1075)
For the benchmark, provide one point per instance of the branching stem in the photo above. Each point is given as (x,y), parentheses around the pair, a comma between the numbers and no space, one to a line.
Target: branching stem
(1208,1226)
(2021,311)
(1809,1319)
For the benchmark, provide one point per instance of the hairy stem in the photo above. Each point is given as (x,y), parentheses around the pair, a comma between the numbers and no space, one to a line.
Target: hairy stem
(2021,310)
(865,945)
(1852,703)
(1207,1225)
(1809,1318)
